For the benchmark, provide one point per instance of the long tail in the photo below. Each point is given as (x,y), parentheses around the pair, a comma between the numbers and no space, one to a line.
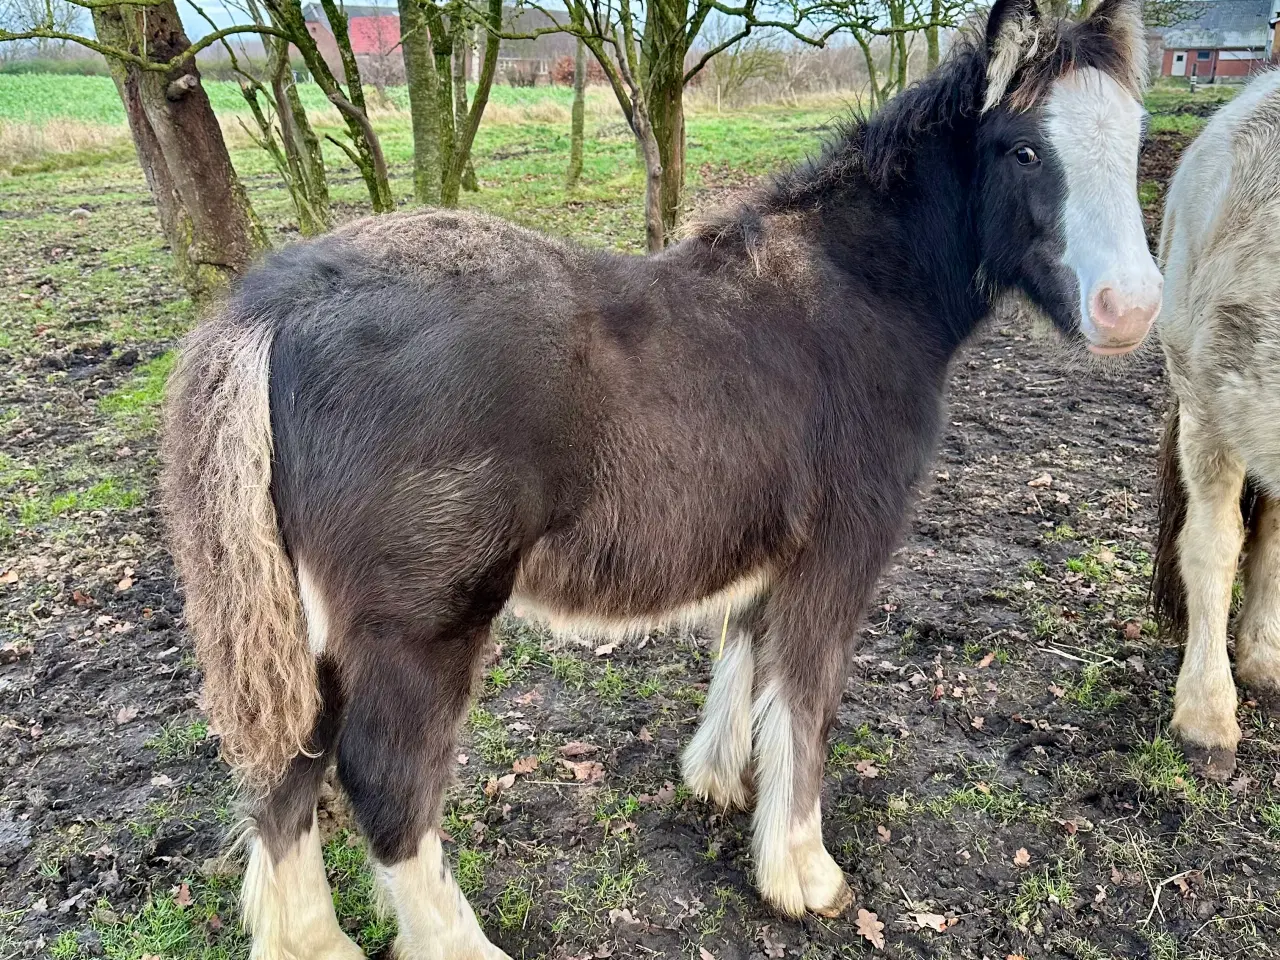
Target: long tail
(242,601)
(1168,597)
(1168,593)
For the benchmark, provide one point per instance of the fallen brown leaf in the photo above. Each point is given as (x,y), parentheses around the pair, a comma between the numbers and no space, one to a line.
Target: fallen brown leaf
(606,648)
(577,748)
(987,660)
(588,771)
(870,928)
(934,921)
(1022,858)
(644,736)
(497,784)
(1042,481)
(867,769)
(525,764)
(126,714)
(124,584)
(885,833)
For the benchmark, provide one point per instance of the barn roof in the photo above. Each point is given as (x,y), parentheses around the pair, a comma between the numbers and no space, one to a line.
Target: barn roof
(1222,23)
(314,13)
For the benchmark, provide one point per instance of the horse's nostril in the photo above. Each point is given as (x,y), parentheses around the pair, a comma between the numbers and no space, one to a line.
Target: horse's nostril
(1120,316)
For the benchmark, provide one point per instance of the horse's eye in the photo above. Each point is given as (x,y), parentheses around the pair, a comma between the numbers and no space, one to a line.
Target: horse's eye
(1026,156)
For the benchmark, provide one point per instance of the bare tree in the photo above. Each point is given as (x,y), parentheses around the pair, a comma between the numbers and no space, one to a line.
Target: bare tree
(61,16)
(755,57)
(204,211)
(576,132)
(644,46)
(284,130)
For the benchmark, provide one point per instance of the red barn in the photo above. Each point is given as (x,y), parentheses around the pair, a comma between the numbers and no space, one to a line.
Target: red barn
(375,40)
(1226,40)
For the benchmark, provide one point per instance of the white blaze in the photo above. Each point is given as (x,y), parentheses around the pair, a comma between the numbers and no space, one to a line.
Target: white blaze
(1095,127)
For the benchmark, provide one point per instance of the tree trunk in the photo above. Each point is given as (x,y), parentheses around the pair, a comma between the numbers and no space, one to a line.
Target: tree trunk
(420,75)
(665,48)
(460,154)
(301,145)
(873,81)
(461,46)
(654,182)
(204,212)
(579,116)
(364,151)
(931,35)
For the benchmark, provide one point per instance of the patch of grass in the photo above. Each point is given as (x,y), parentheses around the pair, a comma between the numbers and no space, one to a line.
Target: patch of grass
(354,896)
(1159,767)
(1006,804)
(179,740)
(66,947)
(491,739)
(514,904)
(1269,814)
(470,871)
(569,670)
(1091,690)
(166,928)
(610,685)
(1037,890)
(135,405)
(858,745)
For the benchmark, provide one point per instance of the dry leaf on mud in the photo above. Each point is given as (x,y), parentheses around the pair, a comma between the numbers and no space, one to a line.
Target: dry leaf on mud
(867,769)
(885,833)
(9,576)
(1056,690)
(588,771)
(606,648)
(705,954)
(977,722)
(934,921)
(577,748)
(81,599)
(870,928)
(666,793)
(987,660)
(124,584)
(644,736)
(183,897)
(525,764)
(1015,956)
(772,947)
(126,714)
(1022,858)
(497,784)
(1042,481)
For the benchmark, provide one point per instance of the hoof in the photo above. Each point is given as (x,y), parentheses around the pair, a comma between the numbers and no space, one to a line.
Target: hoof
(843,901)
(1210,763)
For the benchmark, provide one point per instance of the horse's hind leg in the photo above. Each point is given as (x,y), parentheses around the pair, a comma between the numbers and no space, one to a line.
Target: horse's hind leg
(407,691)
(1204,715)
(716,764)
(285,900)
(1258,634)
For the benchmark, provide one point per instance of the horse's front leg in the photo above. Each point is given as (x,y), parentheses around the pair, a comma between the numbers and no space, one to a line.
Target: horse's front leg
(810,623)
(1204,713)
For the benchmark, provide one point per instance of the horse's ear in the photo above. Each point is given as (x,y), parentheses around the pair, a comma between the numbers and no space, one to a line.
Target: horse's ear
(1012,36)
(1116,26)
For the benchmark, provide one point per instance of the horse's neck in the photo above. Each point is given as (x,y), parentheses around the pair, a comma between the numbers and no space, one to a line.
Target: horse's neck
(916,246)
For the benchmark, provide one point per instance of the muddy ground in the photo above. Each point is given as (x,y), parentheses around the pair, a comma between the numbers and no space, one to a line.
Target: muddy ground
(1000,783)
